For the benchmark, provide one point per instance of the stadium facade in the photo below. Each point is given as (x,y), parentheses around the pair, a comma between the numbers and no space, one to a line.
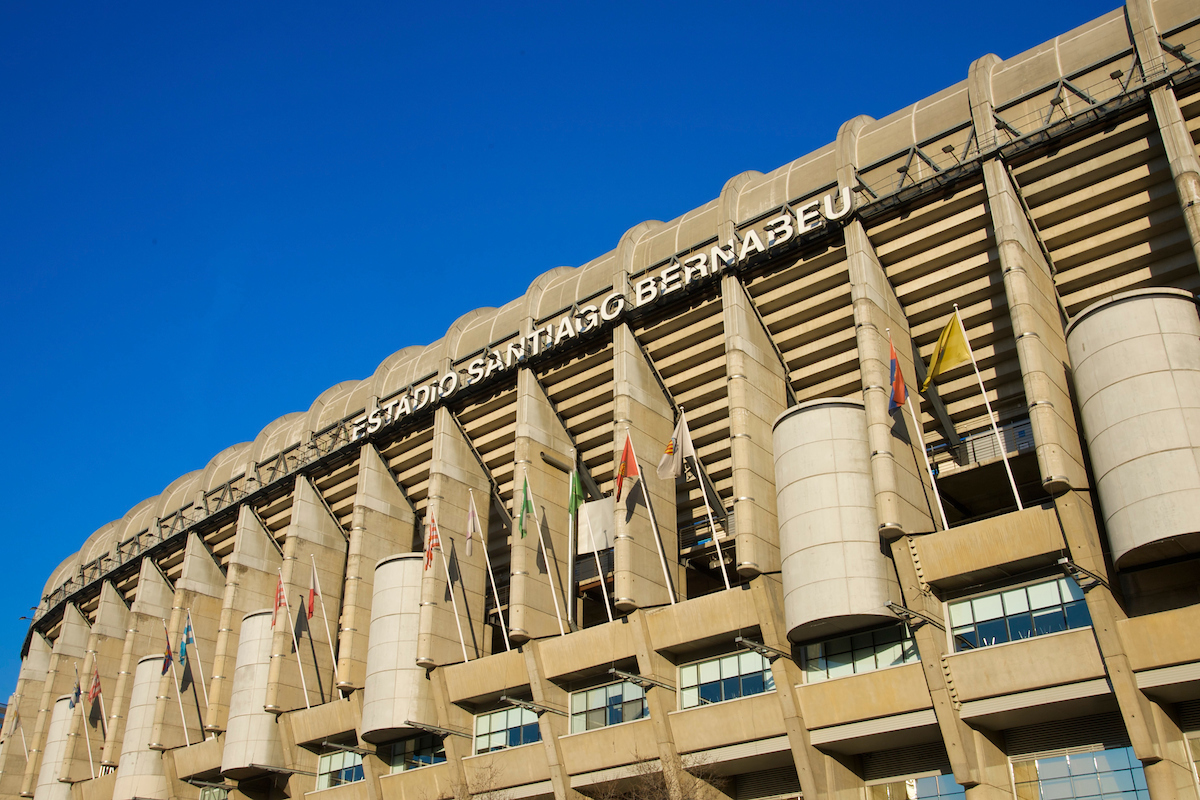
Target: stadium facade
(797,612)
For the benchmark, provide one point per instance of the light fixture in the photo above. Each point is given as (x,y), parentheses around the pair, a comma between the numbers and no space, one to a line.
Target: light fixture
(529,705)
(640,680)
(345,748)
(283,770)
(764,650)
(910,615)
(1073,570)
(421,726)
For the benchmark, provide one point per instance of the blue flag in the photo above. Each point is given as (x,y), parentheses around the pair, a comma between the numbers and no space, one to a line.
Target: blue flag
(187,639)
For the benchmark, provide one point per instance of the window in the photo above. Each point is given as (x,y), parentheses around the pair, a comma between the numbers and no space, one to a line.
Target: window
(509,727)
(419,751)
(1021,613)
(724,678)
(607,705)
(1101,774)
(334,769)
(860,652)
(213,793)
(929,787)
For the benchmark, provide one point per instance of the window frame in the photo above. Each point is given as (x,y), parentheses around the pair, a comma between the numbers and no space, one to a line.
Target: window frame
(906,642)
(526,719)
(586,713)
(399,748)
(956,624)
(326,779)
(704,667)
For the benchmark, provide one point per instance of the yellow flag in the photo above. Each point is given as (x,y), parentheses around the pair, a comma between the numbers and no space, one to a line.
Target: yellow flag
(950,351)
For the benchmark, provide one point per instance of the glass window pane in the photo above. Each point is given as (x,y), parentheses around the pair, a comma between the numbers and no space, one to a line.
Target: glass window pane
(960,614)
(596,698)
(752,684)
(812,652)
(729,667)
(578,701)
(731,688)
(1044,595)
(1082,764)
(596,718)
(632,690)
(1049,621)
(687,675)
(710,693)
(749,662)
(1085,786)
(710,671)
(1077,615)
(890,654)
(1070,589)
(839,665)
(689,698)
(925,787)
(615,692)
(986,608)
(965,638)
(886,636)
(864,660)
(1057,789)
(992,632)
(578,723)
(1113,759)
(1015,601)
(1052,768)
(1020,626)
(860,641)
(768,681)
(1119,781)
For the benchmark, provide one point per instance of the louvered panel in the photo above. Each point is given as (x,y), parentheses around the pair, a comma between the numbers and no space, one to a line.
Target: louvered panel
(1102,731)
(582,391)
(1189,716)
(490,424)
(903,762)
(767,784)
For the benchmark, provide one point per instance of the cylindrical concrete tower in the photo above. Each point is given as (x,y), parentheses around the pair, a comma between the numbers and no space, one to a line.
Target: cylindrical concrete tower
(836,575)
(1136,362)
(252,735)
(140,770)
(48,786)
(396,689)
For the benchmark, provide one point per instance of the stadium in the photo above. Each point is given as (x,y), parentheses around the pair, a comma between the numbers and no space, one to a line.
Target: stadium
(866,480)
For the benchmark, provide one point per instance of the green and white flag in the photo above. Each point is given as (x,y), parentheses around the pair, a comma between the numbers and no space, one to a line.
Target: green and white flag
(526,506)
(576,496)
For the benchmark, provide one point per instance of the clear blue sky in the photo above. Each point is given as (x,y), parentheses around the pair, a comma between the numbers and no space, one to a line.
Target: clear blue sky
(209,215)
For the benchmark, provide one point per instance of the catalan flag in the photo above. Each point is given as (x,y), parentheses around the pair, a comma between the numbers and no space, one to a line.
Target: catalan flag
(432,541)
(679,448)
(628,467)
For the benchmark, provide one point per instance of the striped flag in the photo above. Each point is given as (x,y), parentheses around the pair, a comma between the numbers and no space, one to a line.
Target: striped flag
(184,641)
(278,601)
(167,654)
(94,690)
(432,541)
(314,591)
(899,393)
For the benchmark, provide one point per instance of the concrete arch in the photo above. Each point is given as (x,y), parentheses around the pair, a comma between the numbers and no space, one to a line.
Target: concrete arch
(727,203)
(846,149)
(544,288)
(395,372)
(277,436)
(227,464)
(625,263)
(62,573)
(470,332)
(100,543)
(331,405)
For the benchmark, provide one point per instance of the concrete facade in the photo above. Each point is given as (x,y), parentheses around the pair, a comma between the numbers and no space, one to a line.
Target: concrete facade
(746,635)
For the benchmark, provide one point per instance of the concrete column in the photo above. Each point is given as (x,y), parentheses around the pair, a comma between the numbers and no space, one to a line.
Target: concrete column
(312,532)
(106,643)
(757,395)
(1032,305)
(140,771)
(253,735)
(68,651)
(551,726)
(252,573)
(903,498)
(809,762)
(978,763)
(396,689)
(142,637)
(383,523)
(661,702)
(22,712)
(48,785)
(537,578)
(200,587)
(640,410)
(1176,139)
(453,474)
(836,578)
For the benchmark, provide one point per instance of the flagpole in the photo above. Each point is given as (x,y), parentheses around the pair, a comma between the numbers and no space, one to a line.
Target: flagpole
(24,743)
(932,481)
(88,738)
(572,529)
(325,618)
(199,660)
(178,692)
(991,417)
(295,643)
(599,568)
(450,588)
(707,508)
(103,720)
(488,560)
(546,555)
(662,557)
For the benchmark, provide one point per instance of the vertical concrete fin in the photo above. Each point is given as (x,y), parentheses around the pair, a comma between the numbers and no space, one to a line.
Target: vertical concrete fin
(22,714)
(903,496)
(453,474)
(200,571)
(757,395)
(641,411)
(67,653)
(250,585)
(552,726)
(1034,309)
(383,524)
(538,579)
(312,534)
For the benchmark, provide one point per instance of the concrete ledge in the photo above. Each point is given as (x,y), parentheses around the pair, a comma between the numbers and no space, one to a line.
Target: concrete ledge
(592,650)
(1154,640)
(697,624)
(322,722)
(991,549)
(878,734)
(884,692)
(486,678)
(1038,663)
(732,722)
(203,758)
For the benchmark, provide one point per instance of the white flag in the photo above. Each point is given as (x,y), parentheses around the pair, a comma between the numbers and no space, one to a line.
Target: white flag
(473,529)
(679,448)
